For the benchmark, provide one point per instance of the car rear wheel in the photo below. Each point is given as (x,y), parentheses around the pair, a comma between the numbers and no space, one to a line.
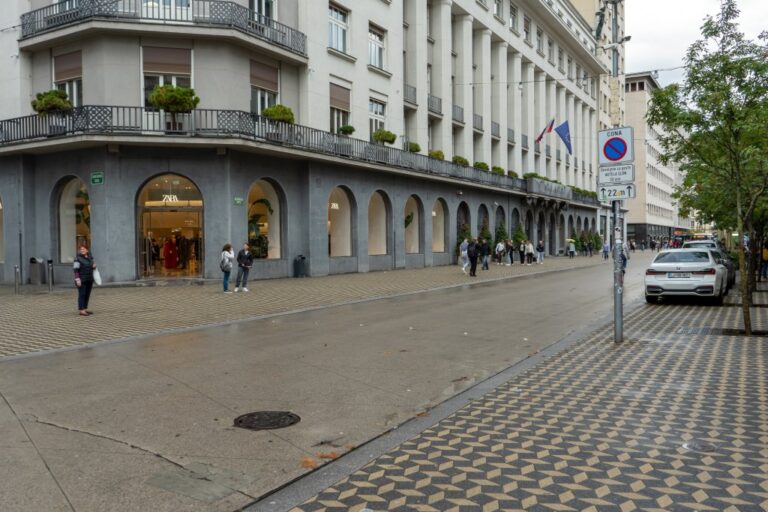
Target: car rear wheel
(650,299)
(718,301)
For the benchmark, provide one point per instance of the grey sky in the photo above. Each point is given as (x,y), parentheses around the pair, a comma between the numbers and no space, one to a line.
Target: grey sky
(662,31)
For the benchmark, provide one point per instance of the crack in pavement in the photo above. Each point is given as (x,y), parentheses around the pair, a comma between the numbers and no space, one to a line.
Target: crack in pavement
(160,456)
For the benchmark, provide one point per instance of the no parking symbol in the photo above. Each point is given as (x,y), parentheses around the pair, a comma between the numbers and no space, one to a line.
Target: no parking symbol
(616,146)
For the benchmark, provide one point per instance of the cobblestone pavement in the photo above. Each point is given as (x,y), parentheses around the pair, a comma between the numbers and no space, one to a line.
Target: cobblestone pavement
(666,421)
(34,322)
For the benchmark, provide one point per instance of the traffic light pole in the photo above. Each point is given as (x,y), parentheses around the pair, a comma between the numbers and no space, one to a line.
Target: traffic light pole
(618,271)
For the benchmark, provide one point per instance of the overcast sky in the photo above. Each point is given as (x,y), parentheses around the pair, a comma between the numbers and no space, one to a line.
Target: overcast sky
(662,31)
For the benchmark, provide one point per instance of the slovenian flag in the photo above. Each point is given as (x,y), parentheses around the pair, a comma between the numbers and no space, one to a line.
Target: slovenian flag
(547,129)
(565,133)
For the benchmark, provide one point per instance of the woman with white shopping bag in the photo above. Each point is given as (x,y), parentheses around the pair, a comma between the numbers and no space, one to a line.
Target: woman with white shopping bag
(85,275)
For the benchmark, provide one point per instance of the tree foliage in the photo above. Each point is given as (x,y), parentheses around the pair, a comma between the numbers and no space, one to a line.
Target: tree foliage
(714,128)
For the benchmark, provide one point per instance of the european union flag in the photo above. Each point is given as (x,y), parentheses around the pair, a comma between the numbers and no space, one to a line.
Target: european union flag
(565,135)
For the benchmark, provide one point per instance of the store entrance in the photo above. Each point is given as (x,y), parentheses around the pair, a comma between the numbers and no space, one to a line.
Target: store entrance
(170,231)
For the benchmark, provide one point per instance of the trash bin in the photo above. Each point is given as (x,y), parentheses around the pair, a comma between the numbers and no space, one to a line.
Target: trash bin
(36,272)
(300,266)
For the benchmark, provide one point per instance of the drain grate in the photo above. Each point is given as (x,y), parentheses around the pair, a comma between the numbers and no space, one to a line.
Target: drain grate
(266,420)
(718,331)
(696,445)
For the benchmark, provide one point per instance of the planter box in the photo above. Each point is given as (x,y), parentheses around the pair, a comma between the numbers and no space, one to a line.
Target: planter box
(547,188)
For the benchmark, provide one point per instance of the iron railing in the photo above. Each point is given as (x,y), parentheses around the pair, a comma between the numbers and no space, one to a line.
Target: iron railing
(409,93)
(525,141)
(584,198)
(477,122)
(434,104)
(215,13)
(209,123)
(458,114)
(495,129)
(510,135)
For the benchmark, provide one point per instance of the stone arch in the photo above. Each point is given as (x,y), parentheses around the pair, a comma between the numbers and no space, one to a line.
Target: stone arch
(341,222)
(561,231)
(73,217)
(500,220)
(571,233)
(579,227)
(463,221)
(483,218)
(266,201)
(379,224)
(440,226)
(529,225)
(541,228)
(552,239)
(413,217)
(514,221)
(593,225)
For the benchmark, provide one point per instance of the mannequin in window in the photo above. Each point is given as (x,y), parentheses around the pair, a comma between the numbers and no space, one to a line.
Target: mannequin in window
(170,254)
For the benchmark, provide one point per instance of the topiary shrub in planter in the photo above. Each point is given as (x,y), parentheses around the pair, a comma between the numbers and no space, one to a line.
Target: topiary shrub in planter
(346,129)
(438,154)
(460,160)
(56,104)
(280,112)
(414,148)
(512,174)
(383,136)
(174,100)
(481,165)
(498,170)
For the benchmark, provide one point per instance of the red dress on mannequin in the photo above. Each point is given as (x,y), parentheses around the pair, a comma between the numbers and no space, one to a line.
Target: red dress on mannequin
(170,254)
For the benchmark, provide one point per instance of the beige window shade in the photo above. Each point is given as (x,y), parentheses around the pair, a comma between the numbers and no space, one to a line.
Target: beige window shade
(67,66)
(339,97)
(167,60)
(264,76)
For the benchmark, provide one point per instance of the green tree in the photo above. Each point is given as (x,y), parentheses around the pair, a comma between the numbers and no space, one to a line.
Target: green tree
(485,232)
(501,233)
(519,235)
(714,128)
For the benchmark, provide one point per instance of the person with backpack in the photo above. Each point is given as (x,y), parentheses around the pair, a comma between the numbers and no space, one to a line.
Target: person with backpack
(540,252)
(472,253)
(226,263)
(244,264)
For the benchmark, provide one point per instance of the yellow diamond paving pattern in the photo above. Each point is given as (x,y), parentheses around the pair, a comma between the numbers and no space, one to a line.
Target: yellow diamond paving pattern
(38,322)
(598,427)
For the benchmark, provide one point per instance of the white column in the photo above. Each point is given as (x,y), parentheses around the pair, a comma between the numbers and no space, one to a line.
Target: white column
(416,69)
(576,139)
(570,178)
(562,116)
(482,54)
(441,75)
(499,103)
(593,148)
(540,99)
(462,45)
(516,113)
(528,118)
(552,139)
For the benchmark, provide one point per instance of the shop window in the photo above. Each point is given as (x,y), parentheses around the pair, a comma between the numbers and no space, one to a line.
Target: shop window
(74,210)
(264,221)
(413,222)
(378,230)
(439,225)
(340,223)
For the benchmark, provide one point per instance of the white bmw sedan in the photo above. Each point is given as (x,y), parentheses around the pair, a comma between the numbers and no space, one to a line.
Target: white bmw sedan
(686,272)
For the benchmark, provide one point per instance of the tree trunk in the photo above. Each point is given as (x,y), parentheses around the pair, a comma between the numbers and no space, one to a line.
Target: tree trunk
(743,276)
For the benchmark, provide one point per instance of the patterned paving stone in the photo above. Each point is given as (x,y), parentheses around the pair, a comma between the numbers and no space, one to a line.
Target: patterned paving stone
(662,422)
(35,322)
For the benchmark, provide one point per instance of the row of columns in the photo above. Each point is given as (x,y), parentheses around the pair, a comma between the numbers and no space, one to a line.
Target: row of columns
(492,79)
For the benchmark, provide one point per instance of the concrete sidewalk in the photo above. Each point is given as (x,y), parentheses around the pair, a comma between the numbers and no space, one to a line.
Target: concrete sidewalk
(34,322)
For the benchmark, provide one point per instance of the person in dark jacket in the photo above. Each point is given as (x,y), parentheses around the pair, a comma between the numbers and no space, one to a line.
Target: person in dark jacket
(473,252)
(485,253)
(84,267)
(244,264)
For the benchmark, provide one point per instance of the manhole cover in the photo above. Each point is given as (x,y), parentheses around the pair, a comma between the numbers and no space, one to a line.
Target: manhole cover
(699,446)
(266,420)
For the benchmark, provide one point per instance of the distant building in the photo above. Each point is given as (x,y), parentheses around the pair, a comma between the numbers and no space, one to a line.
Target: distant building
(654,212)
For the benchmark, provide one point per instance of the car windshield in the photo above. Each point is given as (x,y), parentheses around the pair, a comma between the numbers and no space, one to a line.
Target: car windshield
(698,244)
(682,257)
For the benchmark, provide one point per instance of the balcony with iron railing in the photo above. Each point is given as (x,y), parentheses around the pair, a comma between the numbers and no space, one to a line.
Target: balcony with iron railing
(434,104)
(458,114)
(477,122)
(92,123)
(409,93)
(196,13)
(495,129)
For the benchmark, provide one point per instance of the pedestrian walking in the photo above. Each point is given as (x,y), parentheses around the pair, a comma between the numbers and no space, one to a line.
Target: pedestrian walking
(521,251)
(571,249)
(500,252)
(463,256)
(244,264)
(84,267)
(473,251)
(606,250)
(590,247)
(485,253)
(510,249)
(529,252)
(652,245)
(226,263)
(540,252)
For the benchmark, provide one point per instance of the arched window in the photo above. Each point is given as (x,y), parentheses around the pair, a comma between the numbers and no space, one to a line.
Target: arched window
(501,218)
(463,222)
(529,225)
(482,219)
(264,221)
(514,222)
(340,208)
(439,226)
(413,220)
(2,233)
(74,210)
(378,220)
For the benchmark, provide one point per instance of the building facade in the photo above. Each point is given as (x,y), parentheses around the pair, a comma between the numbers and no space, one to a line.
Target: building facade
(653,214)
(157,194)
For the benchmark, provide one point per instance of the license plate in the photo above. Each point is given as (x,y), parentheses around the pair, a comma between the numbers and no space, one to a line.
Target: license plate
(679,275)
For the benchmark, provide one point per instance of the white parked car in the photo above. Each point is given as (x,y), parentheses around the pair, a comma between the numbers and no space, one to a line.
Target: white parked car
(686,272)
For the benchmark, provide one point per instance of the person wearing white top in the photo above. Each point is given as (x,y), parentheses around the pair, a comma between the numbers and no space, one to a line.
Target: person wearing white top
(226,264)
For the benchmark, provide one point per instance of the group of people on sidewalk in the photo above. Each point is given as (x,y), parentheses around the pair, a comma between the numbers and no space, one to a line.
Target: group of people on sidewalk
(244,263)
(470,251)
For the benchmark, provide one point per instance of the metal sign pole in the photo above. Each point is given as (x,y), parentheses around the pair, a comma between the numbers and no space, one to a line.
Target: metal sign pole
(618,278)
